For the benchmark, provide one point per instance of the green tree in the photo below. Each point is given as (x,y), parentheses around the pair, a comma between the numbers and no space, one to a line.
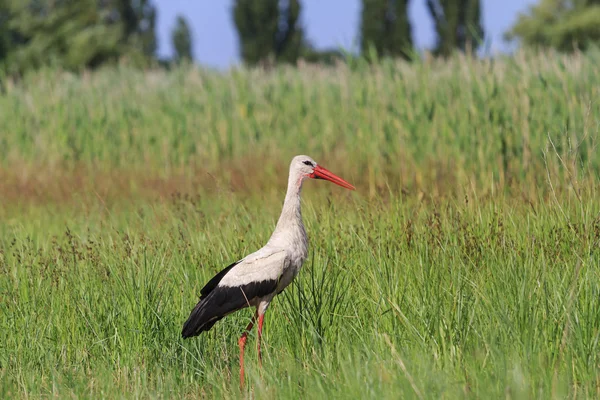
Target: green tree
(385,27)
(457,24)
(182,40)
(67,33)
(269,29)
(5,34)
(138,18)
(560,24)
(76,34)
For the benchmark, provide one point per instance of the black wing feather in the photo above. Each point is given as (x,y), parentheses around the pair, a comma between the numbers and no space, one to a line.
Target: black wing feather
(218,301)
(214,281)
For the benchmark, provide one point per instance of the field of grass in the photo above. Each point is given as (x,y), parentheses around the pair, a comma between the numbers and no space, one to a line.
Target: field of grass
(466,264)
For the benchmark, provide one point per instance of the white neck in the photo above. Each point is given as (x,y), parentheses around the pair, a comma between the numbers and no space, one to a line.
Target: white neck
(290,220)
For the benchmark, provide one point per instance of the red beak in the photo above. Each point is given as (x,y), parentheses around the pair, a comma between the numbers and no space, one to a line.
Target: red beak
(322,173)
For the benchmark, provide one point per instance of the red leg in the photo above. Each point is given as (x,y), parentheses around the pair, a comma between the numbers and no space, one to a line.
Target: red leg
(260,325)
(242,344)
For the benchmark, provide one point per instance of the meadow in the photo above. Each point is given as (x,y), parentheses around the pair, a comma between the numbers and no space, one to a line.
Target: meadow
(465,265)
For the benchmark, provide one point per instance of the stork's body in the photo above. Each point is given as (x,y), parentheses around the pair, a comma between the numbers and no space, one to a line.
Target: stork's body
(257,278)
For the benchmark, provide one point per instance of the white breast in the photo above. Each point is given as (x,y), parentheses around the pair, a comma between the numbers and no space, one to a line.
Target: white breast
(296,243)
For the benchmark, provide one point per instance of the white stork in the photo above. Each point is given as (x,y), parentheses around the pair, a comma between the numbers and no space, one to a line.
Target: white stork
(257,278)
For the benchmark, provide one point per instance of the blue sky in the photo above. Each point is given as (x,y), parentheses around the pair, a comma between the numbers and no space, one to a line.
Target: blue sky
(215,38)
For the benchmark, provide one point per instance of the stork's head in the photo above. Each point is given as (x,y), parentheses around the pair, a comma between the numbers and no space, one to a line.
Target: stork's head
(308,168)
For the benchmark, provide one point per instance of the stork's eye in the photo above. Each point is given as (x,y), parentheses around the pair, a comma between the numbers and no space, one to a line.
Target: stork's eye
(307,163)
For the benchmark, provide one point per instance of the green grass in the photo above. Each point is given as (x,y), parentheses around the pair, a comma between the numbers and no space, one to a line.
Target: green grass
(465,265)
(447,300)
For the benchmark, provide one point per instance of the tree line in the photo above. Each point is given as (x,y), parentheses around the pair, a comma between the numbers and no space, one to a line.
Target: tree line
(77,34)
(271,29)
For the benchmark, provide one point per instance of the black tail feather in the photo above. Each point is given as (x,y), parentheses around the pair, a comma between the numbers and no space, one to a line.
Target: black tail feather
(199,320)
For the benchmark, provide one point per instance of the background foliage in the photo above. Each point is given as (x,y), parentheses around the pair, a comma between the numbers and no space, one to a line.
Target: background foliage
(563,25)
(76,35)
(435,124)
